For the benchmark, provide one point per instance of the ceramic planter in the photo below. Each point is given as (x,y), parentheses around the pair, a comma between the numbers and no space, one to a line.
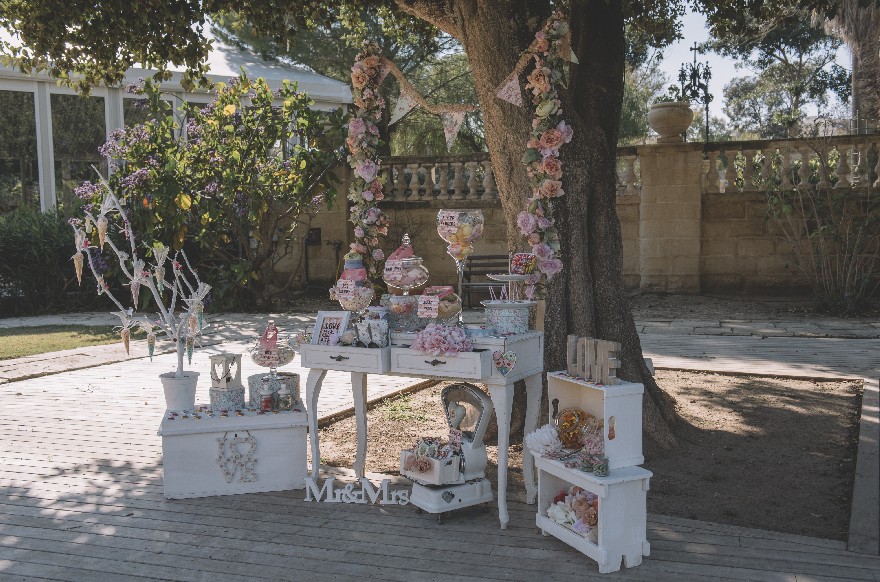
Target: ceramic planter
(670,120)
(180,393)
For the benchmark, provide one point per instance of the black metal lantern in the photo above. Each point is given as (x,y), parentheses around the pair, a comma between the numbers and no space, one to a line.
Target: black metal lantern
(694,79)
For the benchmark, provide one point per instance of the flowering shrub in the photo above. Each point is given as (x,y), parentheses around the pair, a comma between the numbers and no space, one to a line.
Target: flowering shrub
(549,134)
(363,139)
(441,340)
(233,182)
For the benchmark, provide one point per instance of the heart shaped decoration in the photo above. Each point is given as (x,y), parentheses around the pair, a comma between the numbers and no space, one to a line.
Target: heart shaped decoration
(448,496)
(504,361)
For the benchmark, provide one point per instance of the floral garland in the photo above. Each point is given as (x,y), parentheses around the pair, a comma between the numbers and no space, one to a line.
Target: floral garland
(549,134)
(363,140)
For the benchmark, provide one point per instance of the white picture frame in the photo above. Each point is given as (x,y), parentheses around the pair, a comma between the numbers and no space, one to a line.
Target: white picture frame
(328,323)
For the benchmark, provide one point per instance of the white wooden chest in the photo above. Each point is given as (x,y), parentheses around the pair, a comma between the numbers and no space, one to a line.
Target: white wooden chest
(214,455)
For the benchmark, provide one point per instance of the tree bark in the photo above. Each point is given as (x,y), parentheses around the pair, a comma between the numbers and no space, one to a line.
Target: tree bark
(866,79)
(588,298)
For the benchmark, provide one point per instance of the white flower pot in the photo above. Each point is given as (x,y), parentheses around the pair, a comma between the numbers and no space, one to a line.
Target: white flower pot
(180,393)
(670,120)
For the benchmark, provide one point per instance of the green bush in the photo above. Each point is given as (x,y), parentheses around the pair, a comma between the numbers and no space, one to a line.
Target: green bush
(36,273)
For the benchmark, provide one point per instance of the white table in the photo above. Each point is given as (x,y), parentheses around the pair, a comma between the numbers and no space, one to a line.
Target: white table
(475,366)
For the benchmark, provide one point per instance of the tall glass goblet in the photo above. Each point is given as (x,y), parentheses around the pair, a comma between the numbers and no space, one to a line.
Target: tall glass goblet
(460,228)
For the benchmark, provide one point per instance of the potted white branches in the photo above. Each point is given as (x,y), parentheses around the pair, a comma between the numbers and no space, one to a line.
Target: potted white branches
(172,277)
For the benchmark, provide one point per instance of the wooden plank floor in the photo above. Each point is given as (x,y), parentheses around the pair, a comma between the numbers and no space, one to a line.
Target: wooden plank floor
(81,484)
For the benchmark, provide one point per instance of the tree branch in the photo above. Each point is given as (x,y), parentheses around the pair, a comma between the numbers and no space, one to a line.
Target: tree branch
(436,12)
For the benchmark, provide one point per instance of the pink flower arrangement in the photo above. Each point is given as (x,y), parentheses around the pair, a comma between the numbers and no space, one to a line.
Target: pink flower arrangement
(442,340)
(549,134)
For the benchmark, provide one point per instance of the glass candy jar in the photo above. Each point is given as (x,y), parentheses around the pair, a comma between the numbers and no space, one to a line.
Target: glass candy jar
(403,313)
(449,305)
(405,274)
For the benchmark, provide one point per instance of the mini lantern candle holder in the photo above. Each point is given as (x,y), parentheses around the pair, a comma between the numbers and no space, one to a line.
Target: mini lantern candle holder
(227,391)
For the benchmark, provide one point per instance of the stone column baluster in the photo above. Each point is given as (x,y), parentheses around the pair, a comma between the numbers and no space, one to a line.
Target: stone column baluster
(730,172)
(877,167)
(767,174)
(824,182)
(629,175)
(429,181)
(387,171)
(749,171)
(785,170)
(804,173)
(472,183)
(399,184)
(489,190)
(457,181)
(414,181)
(443,169)
(713,183)
(844,178)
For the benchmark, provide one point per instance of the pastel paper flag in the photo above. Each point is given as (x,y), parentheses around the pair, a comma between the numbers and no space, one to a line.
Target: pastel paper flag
(451,124)
(383,72)
(404,105)
(510,90)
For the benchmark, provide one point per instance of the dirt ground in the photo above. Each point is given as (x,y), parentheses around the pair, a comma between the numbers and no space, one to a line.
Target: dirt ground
(757,452)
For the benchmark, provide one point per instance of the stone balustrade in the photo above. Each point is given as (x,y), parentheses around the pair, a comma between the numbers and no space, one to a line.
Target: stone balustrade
(770,165)
(470,177)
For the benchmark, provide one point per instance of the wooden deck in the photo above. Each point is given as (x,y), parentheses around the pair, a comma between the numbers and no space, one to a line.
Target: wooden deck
(81,487)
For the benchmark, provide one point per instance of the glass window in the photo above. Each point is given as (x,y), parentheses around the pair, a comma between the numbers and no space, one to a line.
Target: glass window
(77,134)
(19,176)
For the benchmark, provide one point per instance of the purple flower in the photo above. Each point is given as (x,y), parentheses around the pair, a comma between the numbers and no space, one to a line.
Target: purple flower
(86,190)
(378,254)
(543,251)
(358,232)
(212,188)
(544,223)
(136,178)
(527,222)
(549,266)
(368,170)
(356,126)
(567,131)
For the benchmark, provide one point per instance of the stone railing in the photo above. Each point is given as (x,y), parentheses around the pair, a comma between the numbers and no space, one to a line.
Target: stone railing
(767,165)
(470,177)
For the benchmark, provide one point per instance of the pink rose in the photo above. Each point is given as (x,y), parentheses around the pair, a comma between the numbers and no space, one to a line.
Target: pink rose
(549,266)
(544,223)
(527,222)
(551,139)
(543,251)
(376,187)
(551,189)
(379,196)
(368,195)
(534,238)
(553,167)
(368,170)
(358,232)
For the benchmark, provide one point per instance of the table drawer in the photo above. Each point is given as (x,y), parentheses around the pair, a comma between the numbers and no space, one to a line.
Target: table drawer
(472,365)
(346,358)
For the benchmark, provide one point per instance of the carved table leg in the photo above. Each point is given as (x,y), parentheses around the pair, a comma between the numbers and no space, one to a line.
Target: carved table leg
(313,389)
(534,384)
(359,392)
(502,399)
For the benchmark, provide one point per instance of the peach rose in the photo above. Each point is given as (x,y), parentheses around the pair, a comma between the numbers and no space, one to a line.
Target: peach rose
(359,79)
(542,46)
(551,188)
(551,139)
(539,80)
(371,61)
(552,167)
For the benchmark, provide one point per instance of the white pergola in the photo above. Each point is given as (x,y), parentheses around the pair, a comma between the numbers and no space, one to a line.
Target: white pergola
(224,62)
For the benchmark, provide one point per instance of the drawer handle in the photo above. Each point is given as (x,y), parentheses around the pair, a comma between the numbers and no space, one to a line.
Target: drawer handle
(435,362)
(338,358)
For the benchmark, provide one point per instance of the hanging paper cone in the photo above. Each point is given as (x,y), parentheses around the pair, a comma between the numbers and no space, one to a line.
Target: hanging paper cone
(510,90)
(78,265)
(200,312)
(193,324)
(135,292)
(405,104)
(126,339)
(151,344)
(100,284)
(451,124)
(80,238)
(190,344)
(101,224)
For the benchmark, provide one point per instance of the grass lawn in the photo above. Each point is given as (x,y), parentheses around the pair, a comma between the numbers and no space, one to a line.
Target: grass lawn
(26,341)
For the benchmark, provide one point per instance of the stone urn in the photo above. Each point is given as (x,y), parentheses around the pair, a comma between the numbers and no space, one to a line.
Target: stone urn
(670,119)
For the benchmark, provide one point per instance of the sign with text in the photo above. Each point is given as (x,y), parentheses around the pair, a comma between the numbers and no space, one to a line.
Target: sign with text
(429,305)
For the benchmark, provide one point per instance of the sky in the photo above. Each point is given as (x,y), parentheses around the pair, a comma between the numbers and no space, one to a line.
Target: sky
(723,69)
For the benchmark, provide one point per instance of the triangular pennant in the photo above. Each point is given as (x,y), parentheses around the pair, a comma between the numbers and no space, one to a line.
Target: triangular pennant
(510,90)
(404,105)
(451,124)
(572,58)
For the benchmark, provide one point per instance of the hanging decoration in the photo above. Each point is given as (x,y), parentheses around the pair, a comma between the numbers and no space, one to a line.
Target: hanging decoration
(551,52)
(451,124)
(405,104)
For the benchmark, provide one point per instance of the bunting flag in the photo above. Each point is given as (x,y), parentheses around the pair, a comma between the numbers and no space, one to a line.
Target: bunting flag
(510,90)
(451,124)
(405,104)
(383,72)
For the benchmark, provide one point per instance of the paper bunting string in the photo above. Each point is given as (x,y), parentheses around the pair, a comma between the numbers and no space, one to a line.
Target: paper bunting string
(383,72)
(451,124)
(407,88)
(510,90)
(405,104)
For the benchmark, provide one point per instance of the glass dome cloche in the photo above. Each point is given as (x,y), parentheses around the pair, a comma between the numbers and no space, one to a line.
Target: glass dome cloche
(404,270)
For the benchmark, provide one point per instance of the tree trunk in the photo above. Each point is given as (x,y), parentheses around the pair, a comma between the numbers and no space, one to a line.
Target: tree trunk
(588,298)
(866,79)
